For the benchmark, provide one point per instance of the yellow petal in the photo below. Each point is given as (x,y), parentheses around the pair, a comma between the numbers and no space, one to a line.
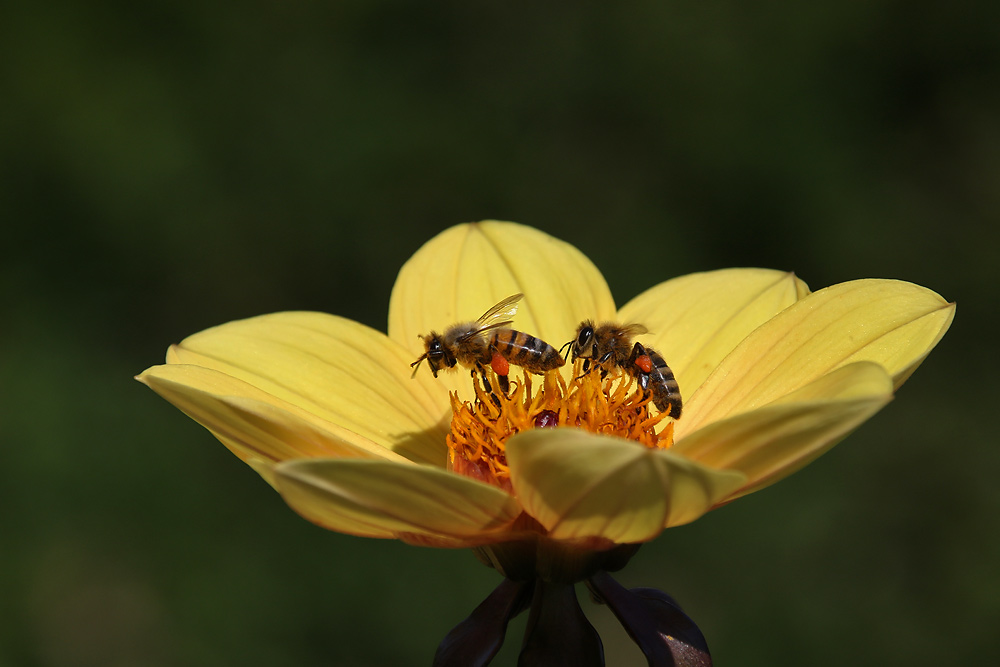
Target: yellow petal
(697,319)
(388,499)
(578,485)
(889,322)
(341,371)
(253,424)
(772,442)
(460,273)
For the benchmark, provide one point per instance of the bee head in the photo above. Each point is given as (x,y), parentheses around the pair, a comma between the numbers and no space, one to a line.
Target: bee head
(437,355)
(584,338)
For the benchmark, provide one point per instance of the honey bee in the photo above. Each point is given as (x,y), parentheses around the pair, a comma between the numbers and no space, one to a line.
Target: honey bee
(489,341)
(609,345)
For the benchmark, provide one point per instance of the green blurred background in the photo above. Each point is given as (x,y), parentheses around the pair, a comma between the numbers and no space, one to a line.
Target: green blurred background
(169,166)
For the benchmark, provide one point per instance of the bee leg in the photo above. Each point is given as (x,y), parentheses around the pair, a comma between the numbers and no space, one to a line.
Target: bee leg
(643,380)
(504,383)
(486,381)
(487,387)
(641,376)
(637,351)
(602,363)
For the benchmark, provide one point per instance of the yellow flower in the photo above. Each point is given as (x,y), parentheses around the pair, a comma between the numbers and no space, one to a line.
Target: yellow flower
(326,411)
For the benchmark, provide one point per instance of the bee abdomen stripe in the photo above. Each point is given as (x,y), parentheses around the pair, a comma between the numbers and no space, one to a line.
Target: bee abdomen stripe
(528,347)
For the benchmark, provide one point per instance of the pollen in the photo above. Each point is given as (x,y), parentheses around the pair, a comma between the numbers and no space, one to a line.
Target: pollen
(614,405)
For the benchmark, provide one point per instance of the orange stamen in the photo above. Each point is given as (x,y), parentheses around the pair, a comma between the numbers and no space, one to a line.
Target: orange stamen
(612,406)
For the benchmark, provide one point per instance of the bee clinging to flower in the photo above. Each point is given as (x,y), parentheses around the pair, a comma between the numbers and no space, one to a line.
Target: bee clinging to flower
(489,341)
(610,345)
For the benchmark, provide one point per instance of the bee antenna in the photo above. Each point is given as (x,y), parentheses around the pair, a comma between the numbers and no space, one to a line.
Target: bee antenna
(416,365)
(566,347)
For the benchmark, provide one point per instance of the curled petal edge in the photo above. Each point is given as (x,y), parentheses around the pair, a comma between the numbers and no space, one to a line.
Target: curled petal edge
(574,483)
(388,499)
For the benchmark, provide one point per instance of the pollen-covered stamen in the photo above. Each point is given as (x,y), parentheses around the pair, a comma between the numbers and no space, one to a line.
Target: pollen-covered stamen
(615,405)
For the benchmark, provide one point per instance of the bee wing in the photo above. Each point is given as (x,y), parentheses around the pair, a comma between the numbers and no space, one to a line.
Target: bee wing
(482,331)
(635,329)
(505,309)
(496,317)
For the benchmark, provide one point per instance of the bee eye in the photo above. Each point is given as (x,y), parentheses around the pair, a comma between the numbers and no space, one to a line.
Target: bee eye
(585,335)
(434,349)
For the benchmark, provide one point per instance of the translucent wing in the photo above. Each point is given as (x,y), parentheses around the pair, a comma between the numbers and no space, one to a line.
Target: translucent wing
(634,329)
(498,316)
(505,309)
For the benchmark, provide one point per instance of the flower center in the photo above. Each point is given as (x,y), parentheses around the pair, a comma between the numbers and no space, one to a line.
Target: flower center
(611,406)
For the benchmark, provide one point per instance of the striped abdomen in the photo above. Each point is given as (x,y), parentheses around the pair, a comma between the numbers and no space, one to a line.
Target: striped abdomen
(530,353)
(663,385)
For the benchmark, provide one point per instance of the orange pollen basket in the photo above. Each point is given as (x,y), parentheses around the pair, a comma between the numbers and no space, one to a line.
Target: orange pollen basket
(611,406)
